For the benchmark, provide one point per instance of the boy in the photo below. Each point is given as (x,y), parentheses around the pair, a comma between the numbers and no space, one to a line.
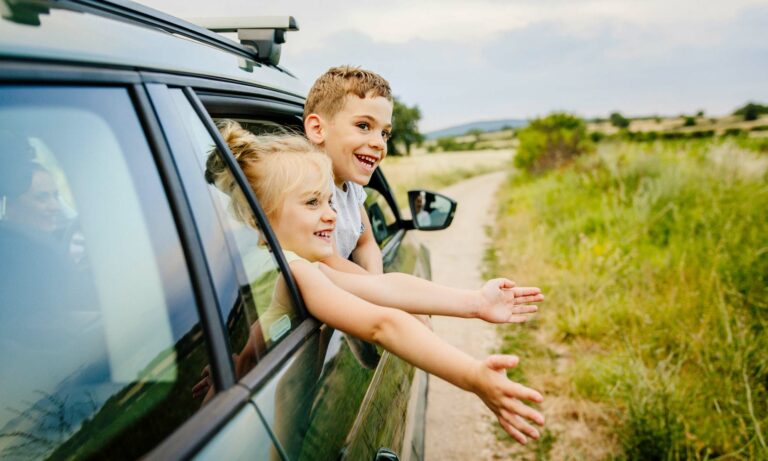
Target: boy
(349,115)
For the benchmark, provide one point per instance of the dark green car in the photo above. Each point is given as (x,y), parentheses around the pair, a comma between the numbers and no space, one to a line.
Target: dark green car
(135,310)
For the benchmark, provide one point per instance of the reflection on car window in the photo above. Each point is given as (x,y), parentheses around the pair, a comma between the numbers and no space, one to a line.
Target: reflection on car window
(99,334)
(383,220)
(264,312)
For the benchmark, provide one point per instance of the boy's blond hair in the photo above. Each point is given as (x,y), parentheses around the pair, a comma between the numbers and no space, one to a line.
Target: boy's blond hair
(328,93)
(274,165)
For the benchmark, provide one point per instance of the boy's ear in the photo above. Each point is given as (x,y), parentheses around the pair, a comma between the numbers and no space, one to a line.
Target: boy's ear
(313,127)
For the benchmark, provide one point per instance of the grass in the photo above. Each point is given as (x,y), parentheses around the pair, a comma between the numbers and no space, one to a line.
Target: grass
(436,171)
(654,258)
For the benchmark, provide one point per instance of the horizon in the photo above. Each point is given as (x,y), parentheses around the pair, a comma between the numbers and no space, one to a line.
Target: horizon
(495,59)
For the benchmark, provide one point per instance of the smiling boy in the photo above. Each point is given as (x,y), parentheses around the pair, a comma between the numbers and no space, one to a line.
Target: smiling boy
(349,115)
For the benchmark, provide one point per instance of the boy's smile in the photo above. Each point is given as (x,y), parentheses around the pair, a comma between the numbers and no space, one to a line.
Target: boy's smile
(356,138)
(305,222)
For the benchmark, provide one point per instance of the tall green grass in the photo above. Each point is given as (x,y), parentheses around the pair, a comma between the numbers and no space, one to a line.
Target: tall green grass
(660,287)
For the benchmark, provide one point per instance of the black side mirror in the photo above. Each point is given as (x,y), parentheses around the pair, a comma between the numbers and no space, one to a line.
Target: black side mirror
(430,210)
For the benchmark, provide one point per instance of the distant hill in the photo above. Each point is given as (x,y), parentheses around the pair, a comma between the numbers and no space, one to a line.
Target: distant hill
(488,125)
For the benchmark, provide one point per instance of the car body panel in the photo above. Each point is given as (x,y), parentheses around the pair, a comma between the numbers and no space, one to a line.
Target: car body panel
(76,37)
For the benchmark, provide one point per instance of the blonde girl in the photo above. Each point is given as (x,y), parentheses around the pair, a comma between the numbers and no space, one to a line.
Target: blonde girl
(292,181)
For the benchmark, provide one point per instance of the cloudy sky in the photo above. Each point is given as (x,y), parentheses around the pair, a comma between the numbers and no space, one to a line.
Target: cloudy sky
(462,61)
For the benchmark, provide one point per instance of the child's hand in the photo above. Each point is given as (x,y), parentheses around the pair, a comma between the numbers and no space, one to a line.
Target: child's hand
(504,396)
(505,303)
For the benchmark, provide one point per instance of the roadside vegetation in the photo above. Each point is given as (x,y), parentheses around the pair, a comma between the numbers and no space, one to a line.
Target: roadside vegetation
(654,256)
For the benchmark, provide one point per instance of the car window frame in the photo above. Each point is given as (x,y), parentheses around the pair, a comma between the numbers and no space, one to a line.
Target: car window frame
(194,433)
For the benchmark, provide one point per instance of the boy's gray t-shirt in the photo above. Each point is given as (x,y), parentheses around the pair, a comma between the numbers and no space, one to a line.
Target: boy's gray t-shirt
(349,223)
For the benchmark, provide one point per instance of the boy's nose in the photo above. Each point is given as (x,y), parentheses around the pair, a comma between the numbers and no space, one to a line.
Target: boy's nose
(377,142)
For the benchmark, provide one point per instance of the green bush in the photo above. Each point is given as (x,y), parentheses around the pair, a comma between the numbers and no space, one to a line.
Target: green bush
(551,141)
(618,120)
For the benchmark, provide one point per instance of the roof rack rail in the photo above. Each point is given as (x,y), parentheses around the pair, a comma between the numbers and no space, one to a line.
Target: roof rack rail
(126,10)
(265,34)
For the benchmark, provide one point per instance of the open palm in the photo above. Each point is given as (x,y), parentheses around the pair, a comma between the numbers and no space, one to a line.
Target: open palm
(506,303)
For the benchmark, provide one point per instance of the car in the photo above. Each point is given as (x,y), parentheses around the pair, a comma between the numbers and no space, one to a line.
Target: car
(134,308)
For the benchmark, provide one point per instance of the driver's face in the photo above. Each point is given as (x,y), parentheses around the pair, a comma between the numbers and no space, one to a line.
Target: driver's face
(39,206)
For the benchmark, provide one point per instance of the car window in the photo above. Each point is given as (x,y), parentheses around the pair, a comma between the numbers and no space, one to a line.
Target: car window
(100,339)
(383,219)
(264,311)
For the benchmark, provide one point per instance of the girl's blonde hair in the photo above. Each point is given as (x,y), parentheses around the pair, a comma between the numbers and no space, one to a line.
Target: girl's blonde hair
(274,165)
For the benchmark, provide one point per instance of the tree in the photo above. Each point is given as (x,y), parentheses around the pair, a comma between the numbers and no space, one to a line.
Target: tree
(551,141)
(751,111)
(405,128)
(618,120)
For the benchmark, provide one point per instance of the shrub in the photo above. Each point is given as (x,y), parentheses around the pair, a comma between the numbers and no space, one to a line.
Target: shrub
(690,121)
(551,141)
(618,120)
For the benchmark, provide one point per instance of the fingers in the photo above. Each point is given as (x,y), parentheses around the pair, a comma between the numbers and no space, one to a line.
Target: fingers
(201,388)
(511,430)
(506,283)
(501,362)
(524,309)
(518,318)
(518,391)
(520,424)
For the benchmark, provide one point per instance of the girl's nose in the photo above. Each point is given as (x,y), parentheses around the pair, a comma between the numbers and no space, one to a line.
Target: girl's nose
(329,215)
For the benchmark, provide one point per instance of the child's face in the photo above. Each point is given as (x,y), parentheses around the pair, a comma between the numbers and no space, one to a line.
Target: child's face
(305,222)
(356,138)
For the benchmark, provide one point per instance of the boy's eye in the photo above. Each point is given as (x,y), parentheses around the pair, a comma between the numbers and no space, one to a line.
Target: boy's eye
(363,125)
(386,135)
(313,202)
(330,203)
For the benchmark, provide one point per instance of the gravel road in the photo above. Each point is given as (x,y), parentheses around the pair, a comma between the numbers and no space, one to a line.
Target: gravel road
(459,426)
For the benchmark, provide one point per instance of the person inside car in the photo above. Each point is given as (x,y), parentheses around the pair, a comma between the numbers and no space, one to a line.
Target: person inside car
(292,181)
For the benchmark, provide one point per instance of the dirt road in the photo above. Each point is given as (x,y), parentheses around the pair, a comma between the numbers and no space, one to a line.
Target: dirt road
(459,426)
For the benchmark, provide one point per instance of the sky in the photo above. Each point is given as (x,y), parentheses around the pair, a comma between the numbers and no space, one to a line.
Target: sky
(462,61)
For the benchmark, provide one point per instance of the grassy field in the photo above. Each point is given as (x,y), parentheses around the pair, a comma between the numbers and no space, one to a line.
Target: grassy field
(435,171)
(653,342)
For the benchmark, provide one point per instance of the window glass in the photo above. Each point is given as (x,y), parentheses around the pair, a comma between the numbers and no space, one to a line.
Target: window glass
(383,220)
(264,312)
(100,340)
(313,400)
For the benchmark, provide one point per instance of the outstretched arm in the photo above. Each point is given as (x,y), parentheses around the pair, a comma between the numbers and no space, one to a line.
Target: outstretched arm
(406,337)
(498,301)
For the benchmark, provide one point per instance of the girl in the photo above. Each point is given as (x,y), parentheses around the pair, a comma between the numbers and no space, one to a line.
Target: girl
(291,180)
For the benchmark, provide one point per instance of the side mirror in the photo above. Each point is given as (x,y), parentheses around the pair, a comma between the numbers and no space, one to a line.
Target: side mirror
(430,210)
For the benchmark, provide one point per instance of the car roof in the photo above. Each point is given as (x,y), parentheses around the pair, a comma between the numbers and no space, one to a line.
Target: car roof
(62,34)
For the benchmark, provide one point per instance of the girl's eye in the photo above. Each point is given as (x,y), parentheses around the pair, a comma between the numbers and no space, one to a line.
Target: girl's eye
(362,125)
(313,202)
(330,203)
(386,135)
